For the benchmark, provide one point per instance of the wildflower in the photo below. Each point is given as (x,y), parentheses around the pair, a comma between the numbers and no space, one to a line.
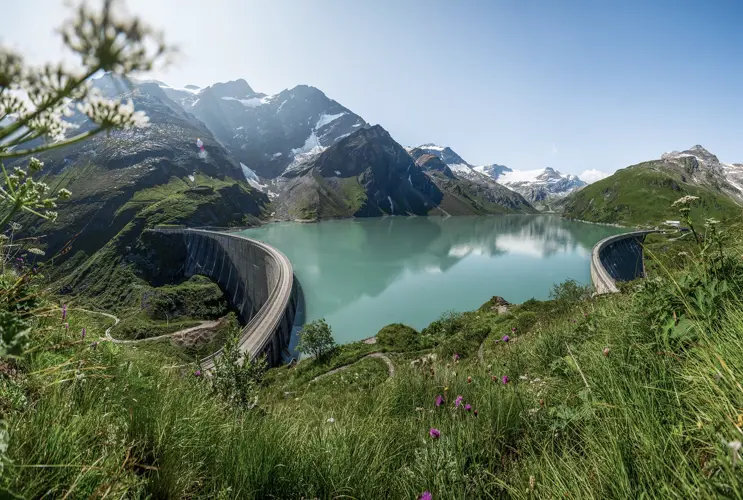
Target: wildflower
(685,200)
(446,389)
(456,357)
(64,312)
(426,495)
(734,448)
(606,351)
(468,407)
(197,373)
(513,329)
(83,333)
(66,326)
(458,401)
(585,315)
(475,412)
(439,400)
(506,338)
(469,380)
(505,379)
(495,379)
(434,433)
(331,420)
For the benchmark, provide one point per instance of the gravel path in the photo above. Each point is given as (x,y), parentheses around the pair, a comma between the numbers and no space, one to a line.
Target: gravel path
(377,355)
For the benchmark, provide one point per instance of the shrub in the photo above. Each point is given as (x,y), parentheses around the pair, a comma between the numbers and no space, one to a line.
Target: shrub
(399,337)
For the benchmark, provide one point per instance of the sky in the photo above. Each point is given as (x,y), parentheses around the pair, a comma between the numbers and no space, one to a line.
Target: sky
(574,85)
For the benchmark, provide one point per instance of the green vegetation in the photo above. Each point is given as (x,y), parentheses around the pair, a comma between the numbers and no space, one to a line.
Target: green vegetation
(631,395)
(316,339)
(642,195)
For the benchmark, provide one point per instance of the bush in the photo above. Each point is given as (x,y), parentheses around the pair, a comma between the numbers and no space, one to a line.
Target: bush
(316,339)
(399,337)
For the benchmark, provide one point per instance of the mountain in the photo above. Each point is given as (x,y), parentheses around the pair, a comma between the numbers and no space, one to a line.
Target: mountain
(456,163)
(268,133)
(369,174)
(537,186)
(642,194)
(127,180)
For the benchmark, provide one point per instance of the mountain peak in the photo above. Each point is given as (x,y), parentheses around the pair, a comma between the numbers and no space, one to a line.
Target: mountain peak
(239,89)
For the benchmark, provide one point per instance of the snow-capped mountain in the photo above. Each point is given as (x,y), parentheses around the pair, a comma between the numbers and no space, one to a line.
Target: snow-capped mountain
(703,167)
(537,186)
(456,163)
(268,133)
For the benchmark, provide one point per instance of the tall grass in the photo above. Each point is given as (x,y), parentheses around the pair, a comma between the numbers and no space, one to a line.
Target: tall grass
(599,404)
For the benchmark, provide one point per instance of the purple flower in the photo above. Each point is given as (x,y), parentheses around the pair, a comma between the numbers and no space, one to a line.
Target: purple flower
(506,338)
(458,401)
(64,312)
(434,433)
(83,333)
(504,379)
(468,407)
(66,326)
(426,495)
(456,357)
(439,400)
(197,373)
(513,329)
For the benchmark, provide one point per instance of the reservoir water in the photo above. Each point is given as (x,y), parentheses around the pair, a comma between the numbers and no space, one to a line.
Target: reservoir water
(363,274)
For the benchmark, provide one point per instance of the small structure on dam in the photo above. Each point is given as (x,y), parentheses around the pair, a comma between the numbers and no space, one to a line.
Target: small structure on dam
(257,279)
(617,258)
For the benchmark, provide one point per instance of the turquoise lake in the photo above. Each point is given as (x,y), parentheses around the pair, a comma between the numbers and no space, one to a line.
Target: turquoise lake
(362,274)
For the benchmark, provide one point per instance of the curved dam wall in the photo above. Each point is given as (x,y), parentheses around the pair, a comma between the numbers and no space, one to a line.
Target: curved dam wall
(257,280)
(617,258)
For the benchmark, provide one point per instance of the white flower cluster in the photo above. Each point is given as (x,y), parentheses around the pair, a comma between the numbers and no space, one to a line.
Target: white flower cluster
(685,201)
(109,113)
(34,101)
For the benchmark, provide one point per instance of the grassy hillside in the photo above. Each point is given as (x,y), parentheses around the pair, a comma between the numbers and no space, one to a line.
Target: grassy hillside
(642,195)
(625,396)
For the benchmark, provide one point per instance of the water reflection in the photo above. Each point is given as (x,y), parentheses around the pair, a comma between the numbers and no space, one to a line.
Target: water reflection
(350,267)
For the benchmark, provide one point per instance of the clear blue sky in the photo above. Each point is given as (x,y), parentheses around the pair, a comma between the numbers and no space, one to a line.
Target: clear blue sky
(574,85)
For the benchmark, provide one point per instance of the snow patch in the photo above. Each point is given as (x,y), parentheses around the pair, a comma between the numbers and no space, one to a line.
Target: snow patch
(192,178)
(253,102)
(325,119)
(252,178)
(282,105)
(310,143)
(392,205)
(276,155)
(520,176)
(337,173)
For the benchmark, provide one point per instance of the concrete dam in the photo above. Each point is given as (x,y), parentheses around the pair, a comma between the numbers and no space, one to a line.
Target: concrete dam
(617,258)
(258,281)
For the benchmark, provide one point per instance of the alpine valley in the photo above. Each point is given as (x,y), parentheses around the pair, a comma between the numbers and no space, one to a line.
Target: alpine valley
(300,155)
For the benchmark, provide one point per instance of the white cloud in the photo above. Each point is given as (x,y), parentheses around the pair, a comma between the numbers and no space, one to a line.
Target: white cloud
(593,175)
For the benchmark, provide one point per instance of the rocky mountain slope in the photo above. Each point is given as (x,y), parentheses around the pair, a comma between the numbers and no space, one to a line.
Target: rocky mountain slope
(124,181)
(537,186)
(369,174)
(268,133)
(643,193)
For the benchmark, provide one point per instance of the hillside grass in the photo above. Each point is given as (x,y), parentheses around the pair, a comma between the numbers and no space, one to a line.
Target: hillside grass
(642,196)
(604,398)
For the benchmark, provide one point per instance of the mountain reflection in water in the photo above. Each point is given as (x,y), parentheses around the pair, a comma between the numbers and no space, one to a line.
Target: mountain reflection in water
(362,274)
